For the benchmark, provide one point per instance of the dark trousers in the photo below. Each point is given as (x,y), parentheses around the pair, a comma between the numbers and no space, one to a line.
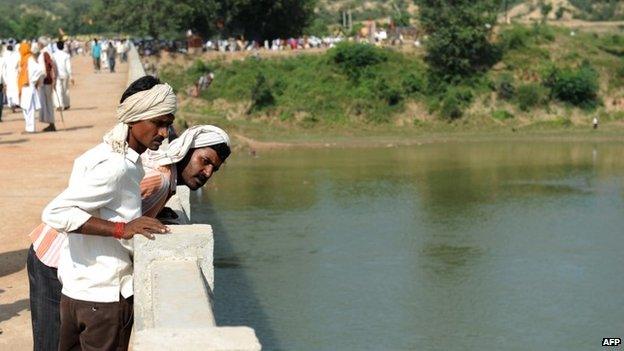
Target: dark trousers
(111,64)
(45,296)
(95,326)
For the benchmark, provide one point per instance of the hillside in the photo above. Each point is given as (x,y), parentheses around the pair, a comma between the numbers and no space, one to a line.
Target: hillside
(527,89)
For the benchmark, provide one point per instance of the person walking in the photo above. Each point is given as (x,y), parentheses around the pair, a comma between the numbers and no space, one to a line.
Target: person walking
(29,80)
(111,52)
(96,53)
(11,66)
(63,66)
(46,114)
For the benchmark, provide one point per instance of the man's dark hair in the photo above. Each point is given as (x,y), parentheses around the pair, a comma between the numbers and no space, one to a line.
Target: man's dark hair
(141,84)
(60,44)
(223,150)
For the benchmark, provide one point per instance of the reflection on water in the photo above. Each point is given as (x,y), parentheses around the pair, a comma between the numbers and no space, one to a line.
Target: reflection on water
(467,246)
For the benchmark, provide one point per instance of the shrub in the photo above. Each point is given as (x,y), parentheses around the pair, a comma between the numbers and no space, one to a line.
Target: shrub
(413,84)
(388,93)
(353,59)
(531,95)
(515,37)
(505,88)
(502,115)
(261,95)
(576,86)
(454,102)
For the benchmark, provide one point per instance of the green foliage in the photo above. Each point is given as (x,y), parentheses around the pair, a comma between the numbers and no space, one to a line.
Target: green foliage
(545,8)
(576,86)
(311,89)
(502,115)
(459,32)
(355,59)
(505,87)
(413,83)
(560,12)
(531,95)
(261,95)
(455,101)
(517,37)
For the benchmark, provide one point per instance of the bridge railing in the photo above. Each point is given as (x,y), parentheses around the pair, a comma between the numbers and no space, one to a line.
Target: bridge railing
(174,282)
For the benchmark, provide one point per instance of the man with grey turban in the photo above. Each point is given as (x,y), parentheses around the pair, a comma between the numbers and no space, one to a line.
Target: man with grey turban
(99,213)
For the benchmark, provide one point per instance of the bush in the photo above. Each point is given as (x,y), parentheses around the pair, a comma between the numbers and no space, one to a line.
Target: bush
(502,115)
(388,93)
(261,95)
(505,88)
(353,59)
(413,84)
(454,102)
(531,95)
(576,86)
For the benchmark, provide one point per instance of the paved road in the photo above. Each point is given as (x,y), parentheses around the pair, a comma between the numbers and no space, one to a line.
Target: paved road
(35,168)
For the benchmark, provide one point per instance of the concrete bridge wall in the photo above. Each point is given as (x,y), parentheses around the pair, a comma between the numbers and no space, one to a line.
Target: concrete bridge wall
(174,281)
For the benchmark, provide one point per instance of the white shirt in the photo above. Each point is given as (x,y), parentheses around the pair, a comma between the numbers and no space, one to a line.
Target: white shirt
(63,63)
(103,184)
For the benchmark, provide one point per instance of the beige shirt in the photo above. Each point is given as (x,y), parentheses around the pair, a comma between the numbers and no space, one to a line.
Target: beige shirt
(103,184)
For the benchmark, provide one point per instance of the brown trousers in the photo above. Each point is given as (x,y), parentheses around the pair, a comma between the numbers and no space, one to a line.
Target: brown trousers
(95,326)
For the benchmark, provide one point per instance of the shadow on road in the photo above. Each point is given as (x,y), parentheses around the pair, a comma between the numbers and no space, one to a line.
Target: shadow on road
(10,310)
(75,128)
(17,141)
(83,108)
(12,261)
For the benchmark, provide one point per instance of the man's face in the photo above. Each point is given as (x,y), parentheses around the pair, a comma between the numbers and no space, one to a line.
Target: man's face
(152,132)
(198,166)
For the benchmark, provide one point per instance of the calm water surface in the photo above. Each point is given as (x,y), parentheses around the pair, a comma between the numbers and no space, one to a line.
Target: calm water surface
(471,246)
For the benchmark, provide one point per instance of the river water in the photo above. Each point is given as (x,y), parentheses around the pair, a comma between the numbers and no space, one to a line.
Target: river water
(451,246)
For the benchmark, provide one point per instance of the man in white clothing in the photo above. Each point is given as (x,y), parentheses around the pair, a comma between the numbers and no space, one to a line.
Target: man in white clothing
(63,65)
(30,79)
(11,66)
(100,212)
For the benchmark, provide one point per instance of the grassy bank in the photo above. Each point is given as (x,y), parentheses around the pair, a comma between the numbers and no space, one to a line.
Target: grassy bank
(546,79)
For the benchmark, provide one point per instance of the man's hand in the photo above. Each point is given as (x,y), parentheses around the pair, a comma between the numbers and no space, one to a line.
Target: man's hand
(145,226)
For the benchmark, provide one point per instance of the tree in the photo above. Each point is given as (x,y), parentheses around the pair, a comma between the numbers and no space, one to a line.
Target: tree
(157,18)
(266,19)
(459,36)
(545,8)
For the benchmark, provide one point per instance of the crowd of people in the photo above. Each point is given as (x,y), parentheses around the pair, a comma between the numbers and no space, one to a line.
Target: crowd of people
(35,77)
(106,52)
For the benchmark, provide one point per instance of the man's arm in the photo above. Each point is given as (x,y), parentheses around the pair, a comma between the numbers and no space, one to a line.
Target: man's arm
(71,210)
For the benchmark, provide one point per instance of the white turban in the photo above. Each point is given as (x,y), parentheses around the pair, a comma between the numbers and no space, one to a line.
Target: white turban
(192,138)
(158,101)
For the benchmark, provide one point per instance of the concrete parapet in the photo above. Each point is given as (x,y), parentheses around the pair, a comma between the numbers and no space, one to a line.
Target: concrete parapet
(204,339)
(191,245)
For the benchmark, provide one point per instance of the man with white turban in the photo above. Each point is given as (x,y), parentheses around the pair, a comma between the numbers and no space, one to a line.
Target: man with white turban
(99,213)
(162,173)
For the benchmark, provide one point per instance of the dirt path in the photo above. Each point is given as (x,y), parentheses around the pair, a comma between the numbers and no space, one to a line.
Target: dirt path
(36,168)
